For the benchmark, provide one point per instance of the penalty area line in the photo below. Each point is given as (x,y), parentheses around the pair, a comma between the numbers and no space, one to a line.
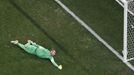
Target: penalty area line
(93,33)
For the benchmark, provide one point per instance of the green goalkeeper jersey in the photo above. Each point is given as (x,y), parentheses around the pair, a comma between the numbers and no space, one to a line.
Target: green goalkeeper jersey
(38,51)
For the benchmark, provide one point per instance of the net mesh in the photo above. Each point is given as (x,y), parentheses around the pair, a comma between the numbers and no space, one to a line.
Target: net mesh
(130,30)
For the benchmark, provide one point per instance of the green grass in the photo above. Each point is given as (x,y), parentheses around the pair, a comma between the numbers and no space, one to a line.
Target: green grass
(46,23)
(105,17)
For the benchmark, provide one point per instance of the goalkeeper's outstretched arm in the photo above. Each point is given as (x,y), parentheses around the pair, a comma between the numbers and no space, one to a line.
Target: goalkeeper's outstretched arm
(55,64)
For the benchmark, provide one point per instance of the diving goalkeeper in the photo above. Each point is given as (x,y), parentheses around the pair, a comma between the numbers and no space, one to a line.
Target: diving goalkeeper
(35,49)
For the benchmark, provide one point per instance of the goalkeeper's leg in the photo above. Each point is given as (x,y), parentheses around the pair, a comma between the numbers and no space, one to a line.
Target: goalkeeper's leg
(24,47)
(27,47)
(16,42)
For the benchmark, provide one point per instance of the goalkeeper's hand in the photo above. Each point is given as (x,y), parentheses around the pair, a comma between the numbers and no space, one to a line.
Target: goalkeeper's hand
(60,67)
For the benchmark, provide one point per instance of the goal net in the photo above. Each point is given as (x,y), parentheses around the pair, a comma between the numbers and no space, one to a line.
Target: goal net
(128,49)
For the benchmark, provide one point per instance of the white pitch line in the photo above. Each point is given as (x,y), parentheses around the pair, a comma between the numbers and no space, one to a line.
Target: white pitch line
(94,33)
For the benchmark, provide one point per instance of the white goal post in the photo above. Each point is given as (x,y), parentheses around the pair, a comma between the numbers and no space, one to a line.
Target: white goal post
(128,45)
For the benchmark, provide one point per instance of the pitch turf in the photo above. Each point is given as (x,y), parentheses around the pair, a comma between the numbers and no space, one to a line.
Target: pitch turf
(46,23)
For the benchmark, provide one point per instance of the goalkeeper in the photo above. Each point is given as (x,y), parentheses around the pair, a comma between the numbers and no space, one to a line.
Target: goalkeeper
(35,49)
